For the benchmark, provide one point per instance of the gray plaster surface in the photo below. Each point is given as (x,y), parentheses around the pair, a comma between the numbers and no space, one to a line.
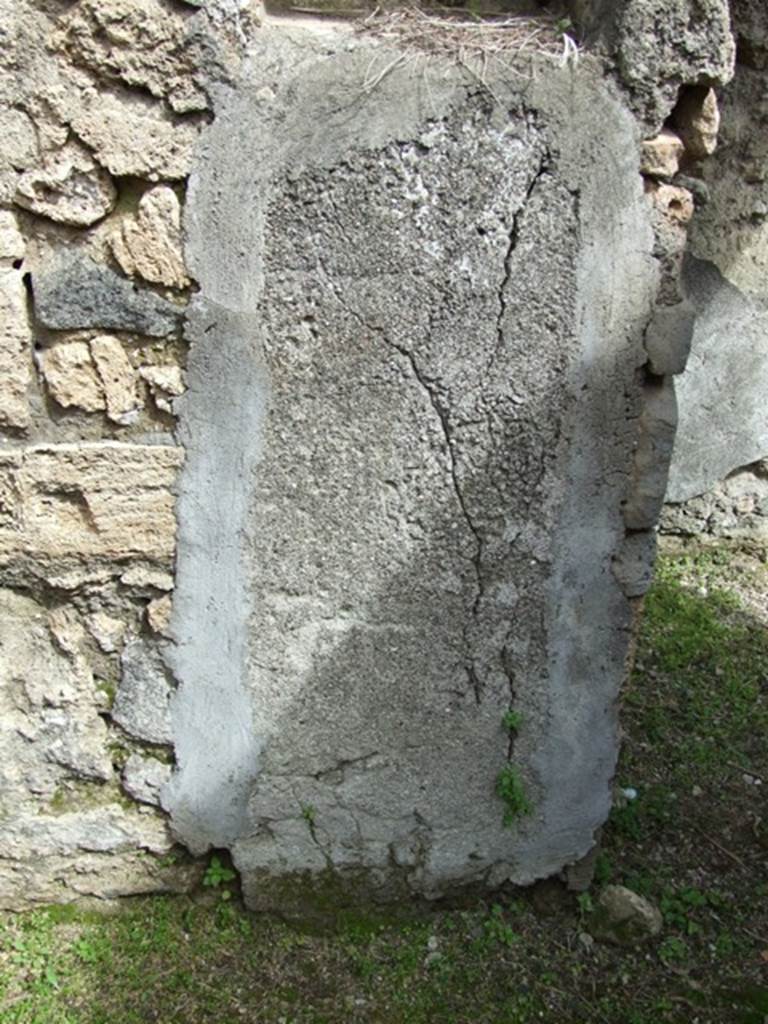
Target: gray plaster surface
(721,396)
(409,434)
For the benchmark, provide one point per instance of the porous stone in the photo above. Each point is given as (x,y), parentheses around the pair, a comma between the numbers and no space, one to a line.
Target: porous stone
(149,244)
(159,615)
(697,120)
(78,293)
(624,918)
(87,507)
(408,432)
(69,188)
(117,376)
(143,43)
(660,156)
(147,579)
(672,208)
(165,383)
(15,331)
(70,376)
(12,244)
(107,631)
(141,701)
(130,135)
(660,45)
(144,778)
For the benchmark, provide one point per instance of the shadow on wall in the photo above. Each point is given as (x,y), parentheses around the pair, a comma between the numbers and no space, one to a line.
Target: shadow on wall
(436,502)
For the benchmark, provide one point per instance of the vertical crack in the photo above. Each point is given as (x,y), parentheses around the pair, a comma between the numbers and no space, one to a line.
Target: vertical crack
(514,238)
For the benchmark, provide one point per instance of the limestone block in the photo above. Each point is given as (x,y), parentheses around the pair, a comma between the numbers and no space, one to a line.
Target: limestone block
(130,135)
(20,150)
(77,293)
(50,727)
(140,42)
(147,580)
(697,120)
(107,631)
(660,156)
(149,244)
(60,878)
(12,244)
(144,778)
(117,376)
(107,829)
(159,615)
(79,504)
(165,384)
(69,188)
(142,698)
(15,332)
(70,376)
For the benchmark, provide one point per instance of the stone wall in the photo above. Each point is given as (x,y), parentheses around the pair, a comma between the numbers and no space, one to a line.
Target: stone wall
(717,480)
(102,103)
(336,411)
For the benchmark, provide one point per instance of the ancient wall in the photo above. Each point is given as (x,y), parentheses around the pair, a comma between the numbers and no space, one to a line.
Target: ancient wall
(718,482)
(102,104)
(337,409)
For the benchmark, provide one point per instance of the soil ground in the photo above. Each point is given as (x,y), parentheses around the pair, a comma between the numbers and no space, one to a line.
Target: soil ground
(694,840)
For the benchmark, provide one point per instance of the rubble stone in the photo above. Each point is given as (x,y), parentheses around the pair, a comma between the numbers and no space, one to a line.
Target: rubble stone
(130,135)
(78,293)
(150,243)
(15,332)
(697,120)
(144,778)
(660,156)
(69,188)
(117,377)
(141,702)
(71,377)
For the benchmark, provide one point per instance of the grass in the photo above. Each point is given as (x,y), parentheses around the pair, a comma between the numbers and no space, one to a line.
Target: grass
(695,841)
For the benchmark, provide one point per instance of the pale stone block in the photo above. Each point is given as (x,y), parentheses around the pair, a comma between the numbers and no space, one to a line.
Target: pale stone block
(15,344)
(117,376)
(660,156)
(71,377)
(149,244)
(91,503)
(69,188)
(130,135)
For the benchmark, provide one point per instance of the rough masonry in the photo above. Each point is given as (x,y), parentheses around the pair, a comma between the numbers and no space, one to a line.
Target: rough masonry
(336,412)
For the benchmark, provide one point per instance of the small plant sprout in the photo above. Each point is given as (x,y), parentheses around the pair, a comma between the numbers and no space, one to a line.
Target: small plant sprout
(218,874)
(512,720)
(309,814)
(510,789)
